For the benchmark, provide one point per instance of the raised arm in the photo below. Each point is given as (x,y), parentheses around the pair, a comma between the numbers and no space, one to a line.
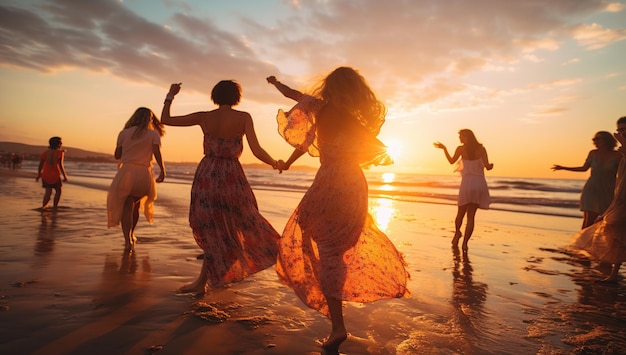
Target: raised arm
(284,89)
(451,159)
(253,142)
(584,167)
(169,120)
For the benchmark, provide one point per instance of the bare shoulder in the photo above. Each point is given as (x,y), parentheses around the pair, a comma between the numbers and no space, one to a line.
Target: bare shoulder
(207,113)
(242,114)
(244,117)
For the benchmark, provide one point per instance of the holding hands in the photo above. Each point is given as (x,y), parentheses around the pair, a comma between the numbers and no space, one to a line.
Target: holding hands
(281,166)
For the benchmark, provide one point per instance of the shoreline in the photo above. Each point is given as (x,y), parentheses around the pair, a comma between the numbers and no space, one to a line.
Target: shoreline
(67,287)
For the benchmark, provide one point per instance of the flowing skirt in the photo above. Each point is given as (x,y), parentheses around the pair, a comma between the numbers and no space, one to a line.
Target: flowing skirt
(131,180)
(331,246)
(236,239)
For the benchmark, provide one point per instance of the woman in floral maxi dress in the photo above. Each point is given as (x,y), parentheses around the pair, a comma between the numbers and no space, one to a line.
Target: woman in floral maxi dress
(331,250)
(236,239)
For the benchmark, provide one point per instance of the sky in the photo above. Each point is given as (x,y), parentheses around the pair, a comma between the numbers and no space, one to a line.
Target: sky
(534,80)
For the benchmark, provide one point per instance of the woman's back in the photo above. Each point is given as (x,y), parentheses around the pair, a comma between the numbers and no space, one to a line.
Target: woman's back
(224,122)
(471,152)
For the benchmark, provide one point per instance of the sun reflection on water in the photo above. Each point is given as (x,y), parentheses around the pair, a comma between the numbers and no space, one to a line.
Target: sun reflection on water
(382,211)
(388,177)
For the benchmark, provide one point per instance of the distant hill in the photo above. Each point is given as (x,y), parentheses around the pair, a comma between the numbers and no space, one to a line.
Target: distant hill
(33,152)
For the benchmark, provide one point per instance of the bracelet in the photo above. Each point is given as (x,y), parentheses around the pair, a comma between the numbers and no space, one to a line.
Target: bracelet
(168,98)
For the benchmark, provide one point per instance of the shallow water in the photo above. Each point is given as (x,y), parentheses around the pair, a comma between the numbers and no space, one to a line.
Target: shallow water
(67,283)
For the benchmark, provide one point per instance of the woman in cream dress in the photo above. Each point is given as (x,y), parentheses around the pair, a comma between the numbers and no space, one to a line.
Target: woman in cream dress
(473,192)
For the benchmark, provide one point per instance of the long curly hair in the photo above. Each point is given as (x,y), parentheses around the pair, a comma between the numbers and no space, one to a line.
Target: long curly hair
(347,91)
(143,118)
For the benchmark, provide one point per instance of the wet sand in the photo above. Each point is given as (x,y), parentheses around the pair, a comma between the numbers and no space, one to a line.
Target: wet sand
(67,287)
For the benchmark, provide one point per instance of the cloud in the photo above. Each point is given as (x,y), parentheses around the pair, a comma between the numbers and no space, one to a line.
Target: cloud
(572,61)
(555,106)
(397,45)
(408,41)
(549,111)
(553,83)
(105,36)
(615,7)
(594,36)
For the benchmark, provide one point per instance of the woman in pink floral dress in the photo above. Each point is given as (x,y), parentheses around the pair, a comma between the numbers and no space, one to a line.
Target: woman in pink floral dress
(237,241)
(331,250)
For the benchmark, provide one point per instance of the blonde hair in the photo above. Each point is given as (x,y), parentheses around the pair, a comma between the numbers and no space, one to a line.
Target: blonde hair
(345,89)
(471,143)
(143,118)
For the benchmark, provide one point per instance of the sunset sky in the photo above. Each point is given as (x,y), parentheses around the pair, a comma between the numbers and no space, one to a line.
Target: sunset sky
(534,79)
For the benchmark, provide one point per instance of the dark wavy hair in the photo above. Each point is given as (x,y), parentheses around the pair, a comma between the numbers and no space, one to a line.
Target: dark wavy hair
(54,142)
(226,92)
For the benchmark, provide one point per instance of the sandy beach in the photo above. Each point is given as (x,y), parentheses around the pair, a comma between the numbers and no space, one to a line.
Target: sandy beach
(66,286)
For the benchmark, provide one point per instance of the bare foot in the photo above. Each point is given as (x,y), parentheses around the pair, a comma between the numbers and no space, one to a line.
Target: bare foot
(464,245)
(331,345)
(196,288)
(455,240)
(130,243)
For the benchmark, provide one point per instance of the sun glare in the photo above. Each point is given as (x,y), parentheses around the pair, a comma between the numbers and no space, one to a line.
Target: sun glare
(388,177)
(394,148)
(383,211)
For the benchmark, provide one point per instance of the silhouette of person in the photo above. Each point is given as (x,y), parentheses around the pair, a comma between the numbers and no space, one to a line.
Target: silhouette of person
(134,183)
(468,295)
(331,250)
(605,240)
(597,193)
(51,168)
(236,239)
(473,192)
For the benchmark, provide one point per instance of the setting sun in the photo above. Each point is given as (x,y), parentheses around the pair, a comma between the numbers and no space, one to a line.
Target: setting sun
(394,148)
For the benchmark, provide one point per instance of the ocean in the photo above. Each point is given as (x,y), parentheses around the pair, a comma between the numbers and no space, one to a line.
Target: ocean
(555,197)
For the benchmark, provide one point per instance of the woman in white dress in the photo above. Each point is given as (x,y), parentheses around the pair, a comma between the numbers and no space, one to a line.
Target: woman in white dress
(473,192)
(133,186)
